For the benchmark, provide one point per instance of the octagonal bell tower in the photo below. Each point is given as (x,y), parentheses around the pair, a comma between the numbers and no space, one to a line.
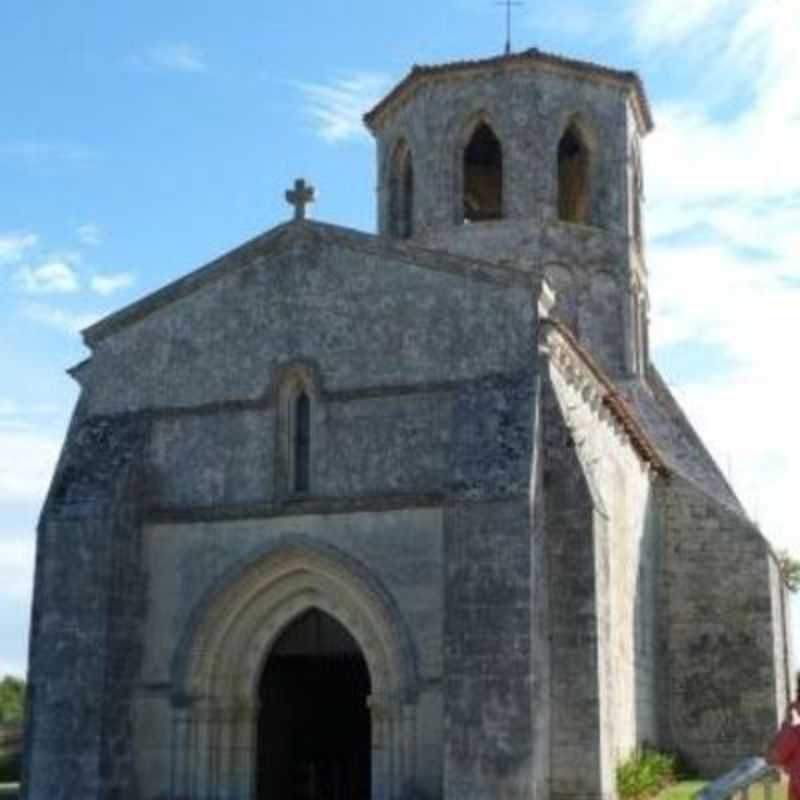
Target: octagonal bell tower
(530,160)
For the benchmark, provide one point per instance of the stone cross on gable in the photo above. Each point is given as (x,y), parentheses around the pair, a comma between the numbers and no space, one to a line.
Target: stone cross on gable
(301,196)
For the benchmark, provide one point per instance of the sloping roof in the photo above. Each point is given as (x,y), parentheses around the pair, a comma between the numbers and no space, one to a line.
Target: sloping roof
(532,57)
(677,441)
(613,400)
(657,428)
(284,236)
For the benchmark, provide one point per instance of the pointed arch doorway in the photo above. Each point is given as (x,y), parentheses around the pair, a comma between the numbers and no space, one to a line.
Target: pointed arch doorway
(314,737)
(221,666)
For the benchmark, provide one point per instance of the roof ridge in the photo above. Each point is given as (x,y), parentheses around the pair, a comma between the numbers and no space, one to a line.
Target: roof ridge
(181,286)
(405,251)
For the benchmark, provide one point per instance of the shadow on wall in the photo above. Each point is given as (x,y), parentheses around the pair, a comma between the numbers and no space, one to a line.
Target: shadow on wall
(647,645)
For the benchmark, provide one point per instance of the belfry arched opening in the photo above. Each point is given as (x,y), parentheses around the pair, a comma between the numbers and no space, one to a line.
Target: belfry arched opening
(314,738)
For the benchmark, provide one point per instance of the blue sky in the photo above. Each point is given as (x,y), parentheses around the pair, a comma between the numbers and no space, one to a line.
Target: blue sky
(139,140)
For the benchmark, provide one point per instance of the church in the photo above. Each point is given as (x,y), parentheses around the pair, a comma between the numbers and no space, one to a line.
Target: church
(408,515)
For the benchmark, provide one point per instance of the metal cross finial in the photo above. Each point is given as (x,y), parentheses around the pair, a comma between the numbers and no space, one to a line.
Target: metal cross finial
(508,6)
(301,196)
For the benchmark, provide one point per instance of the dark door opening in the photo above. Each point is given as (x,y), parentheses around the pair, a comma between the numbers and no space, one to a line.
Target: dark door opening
(314,738)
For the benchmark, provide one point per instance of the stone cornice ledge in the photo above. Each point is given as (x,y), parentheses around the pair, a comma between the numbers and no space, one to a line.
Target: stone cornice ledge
(563,350)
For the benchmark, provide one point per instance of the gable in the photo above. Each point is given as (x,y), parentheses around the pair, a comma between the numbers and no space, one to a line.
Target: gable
(365,313)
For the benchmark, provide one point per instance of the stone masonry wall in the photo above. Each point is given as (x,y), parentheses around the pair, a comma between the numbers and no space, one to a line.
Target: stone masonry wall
(488,731)
(574,691)
(363,321)
(470,438)
(586,266)
(423,389)
(488,591)
(602,540)
(86,633)
(528,109)
(722,631)
(401,551)
(369,446)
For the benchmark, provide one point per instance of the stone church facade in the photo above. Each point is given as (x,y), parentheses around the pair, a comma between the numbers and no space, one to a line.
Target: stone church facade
(406,515)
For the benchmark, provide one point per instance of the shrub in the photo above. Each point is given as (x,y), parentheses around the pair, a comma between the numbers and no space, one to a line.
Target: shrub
(645,773)
(12,700)
(10,768)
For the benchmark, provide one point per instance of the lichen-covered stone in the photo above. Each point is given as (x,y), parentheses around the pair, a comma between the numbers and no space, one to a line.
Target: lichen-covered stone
(491,490)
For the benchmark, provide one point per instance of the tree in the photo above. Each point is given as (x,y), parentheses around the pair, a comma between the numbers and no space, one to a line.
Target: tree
(790,570)
(12,700)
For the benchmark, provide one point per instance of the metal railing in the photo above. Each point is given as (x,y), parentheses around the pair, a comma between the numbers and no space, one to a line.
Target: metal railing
(753,779)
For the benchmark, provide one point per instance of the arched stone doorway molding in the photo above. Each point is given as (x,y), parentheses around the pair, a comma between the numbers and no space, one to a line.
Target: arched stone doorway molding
(219,666)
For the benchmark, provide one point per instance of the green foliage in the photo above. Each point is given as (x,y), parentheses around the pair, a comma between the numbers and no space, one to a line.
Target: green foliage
(645,773)
(790,570)
(10,768)
(12,700)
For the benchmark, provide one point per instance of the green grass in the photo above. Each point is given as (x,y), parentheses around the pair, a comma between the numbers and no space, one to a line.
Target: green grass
(683,790)
(686,790)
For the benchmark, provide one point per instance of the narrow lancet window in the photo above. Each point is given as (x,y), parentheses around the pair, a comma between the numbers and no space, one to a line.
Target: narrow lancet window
(302,443)
(407,221)
(401,188)
(573,177)
(483,176)
(638,192)
(637,218)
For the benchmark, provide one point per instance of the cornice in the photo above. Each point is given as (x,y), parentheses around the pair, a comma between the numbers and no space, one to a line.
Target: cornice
(532,57)
(590,383)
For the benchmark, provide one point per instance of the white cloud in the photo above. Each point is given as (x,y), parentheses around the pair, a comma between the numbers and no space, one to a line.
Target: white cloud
(17,554)
(90,234)
(336,108)
(17,559)
(177,57)
(742,309)
(725,191)
(749,424)
(60,319)
(27,459)
(711,295)
(657,22)
(108,284)
(14,245)
(12,668)
(11,408)
(8,407)
(696,156)
(52,277)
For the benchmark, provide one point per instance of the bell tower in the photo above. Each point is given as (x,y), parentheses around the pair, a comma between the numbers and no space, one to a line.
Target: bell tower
(532,161)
